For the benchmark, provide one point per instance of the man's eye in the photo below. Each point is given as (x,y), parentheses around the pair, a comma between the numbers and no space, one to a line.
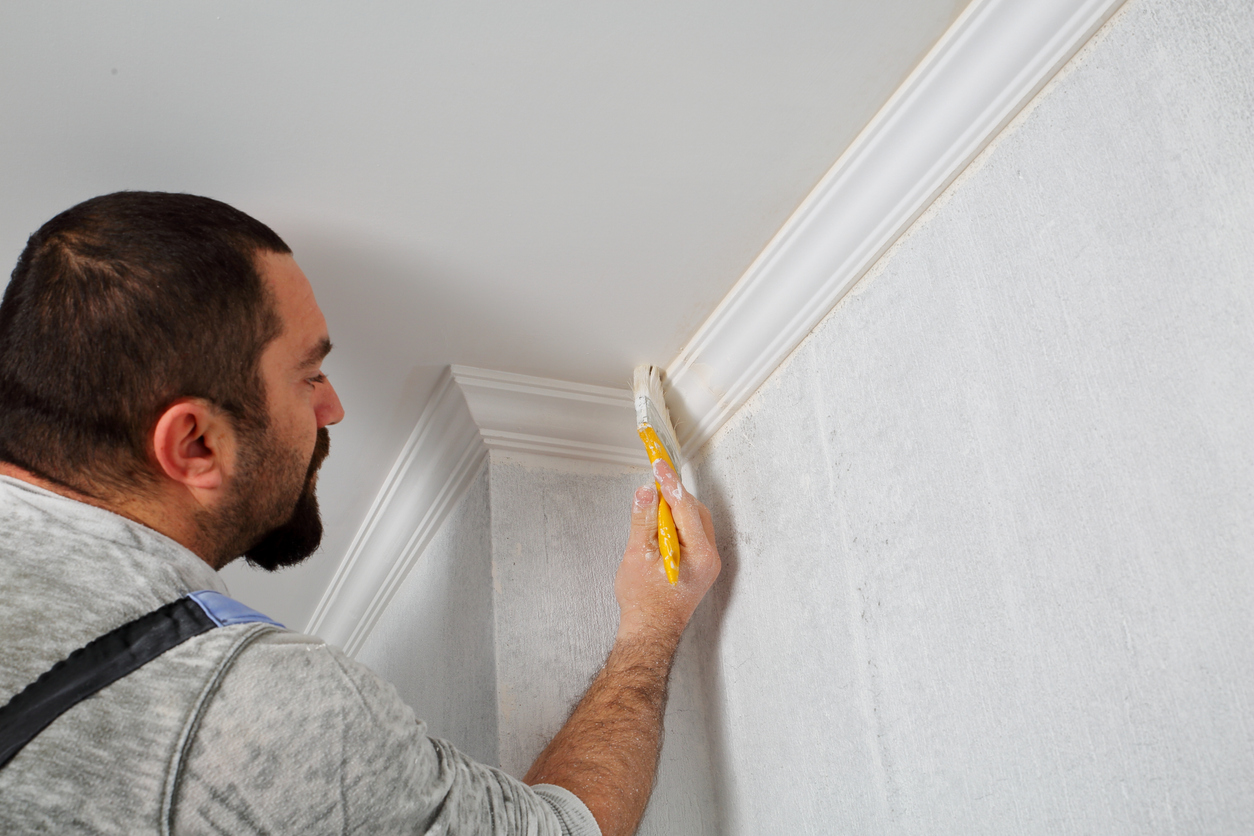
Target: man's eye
(318,378)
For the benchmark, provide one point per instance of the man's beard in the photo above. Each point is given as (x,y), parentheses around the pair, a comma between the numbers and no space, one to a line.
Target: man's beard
(263,521)
(299,537)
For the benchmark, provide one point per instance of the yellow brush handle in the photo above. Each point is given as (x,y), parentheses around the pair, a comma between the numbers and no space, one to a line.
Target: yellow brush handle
(667,536)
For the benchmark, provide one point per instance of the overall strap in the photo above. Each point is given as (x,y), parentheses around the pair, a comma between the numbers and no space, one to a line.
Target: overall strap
(105,660)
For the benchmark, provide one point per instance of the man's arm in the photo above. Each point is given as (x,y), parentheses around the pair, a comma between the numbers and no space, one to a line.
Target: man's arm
(607,752)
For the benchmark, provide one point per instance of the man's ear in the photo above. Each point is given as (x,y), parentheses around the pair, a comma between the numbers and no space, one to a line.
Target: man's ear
(194,444)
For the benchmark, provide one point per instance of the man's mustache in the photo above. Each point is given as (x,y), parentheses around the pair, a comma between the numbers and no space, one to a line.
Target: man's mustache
(322,447)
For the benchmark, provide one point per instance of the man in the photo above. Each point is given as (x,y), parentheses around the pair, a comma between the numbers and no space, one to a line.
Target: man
(162,412)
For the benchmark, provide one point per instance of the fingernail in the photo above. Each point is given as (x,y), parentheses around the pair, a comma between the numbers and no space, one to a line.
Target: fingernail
(643,498)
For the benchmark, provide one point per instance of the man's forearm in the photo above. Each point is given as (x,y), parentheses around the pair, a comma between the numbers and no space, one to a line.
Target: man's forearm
(607,752)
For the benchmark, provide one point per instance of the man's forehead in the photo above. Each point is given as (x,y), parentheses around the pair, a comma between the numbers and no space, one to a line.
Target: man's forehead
(304,327)
(285,279)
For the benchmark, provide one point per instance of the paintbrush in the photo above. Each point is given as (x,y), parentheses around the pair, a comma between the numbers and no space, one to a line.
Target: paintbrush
(653,423)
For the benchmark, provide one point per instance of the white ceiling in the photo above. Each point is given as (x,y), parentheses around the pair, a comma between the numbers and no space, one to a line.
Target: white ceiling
(558,189)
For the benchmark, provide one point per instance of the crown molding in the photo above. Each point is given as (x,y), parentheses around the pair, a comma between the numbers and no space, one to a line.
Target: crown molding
(525,414)
(983,70)
(471,412)
(434,470)
(994,58)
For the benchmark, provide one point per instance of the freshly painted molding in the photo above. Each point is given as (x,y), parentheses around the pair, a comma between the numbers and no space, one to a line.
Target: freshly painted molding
(434,469)
(995,57)
(521,413)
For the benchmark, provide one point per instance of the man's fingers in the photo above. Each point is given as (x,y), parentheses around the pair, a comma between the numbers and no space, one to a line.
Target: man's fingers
(684,505)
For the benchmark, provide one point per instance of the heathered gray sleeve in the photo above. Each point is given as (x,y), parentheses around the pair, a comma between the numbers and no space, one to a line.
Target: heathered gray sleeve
(298,738)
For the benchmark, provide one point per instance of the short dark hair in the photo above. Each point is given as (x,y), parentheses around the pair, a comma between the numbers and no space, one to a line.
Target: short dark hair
(117,308)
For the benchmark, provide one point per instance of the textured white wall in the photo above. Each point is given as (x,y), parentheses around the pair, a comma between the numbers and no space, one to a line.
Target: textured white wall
(435,643)
(989,533)
(558,534)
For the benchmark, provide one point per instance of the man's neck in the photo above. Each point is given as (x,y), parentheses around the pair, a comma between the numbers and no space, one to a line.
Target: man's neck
(148,514)
(15,472)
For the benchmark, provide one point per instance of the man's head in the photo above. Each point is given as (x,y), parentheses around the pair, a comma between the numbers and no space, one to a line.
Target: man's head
(167,346)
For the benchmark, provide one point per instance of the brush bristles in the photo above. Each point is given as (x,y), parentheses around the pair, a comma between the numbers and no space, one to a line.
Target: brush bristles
(651,408)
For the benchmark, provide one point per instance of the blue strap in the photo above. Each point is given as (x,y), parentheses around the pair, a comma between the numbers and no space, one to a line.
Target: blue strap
(106,659)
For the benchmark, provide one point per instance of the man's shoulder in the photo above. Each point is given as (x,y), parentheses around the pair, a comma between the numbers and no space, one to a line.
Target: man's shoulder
(291,686)
(281,657)
(299,736)
(70,573)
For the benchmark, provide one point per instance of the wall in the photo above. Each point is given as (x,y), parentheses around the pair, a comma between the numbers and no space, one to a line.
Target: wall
(557,536)
(435,641)
(558,533)
(989,531)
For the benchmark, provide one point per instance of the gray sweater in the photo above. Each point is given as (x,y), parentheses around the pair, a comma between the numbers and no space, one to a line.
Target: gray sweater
(244,729)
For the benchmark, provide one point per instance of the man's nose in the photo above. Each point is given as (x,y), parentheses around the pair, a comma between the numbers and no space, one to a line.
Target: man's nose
(329,410)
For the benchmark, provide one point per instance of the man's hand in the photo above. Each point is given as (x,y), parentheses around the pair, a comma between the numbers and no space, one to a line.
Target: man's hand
(648,604)
(608,750)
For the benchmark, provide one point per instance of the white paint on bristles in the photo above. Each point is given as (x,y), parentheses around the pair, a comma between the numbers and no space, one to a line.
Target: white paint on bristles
(651,410)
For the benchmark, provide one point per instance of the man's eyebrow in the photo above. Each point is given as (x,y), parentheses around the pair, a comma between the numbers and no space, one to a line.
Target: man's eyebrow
(317,354)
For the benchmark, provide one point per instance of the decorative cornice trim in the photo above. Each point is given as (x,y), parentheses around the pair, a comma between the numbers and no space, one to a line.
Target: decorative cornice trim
(470,412)
(562,448)
(521,413)
(434,469)
(983,70)
(986,67)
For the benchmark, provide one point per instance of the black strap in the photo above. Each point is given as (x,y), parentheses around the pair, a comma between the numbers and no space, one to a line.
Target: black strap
(94,666)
